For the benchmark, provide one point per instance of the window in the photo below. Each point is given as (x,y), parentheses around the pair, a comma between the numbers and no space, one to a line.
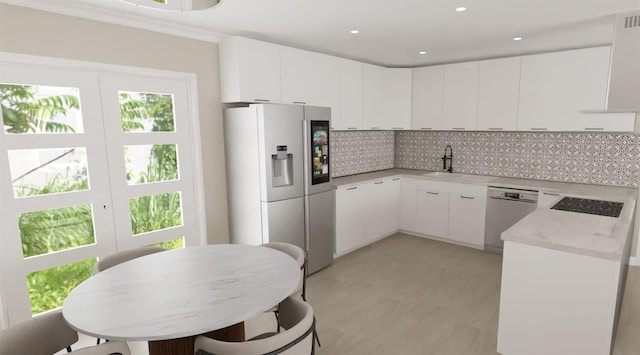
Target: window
(89,164)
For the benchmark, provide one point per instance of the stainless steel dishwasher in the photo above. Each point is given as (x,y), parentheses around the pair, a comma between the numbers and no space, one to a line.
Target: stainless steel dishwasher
(505,207)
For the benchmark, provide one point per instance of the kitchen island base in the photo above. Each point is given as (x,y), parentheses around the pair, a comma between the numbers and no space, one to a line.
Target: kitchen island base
(556,302)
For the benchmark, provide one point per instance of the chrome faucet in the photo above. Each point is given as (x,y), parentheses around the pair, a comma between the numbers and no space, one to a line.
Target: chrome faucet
(449,158)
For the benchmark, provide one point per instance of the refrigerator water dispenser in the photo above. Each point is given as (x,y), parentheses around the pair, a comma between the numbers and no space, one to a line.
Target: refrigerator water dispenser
(282,167)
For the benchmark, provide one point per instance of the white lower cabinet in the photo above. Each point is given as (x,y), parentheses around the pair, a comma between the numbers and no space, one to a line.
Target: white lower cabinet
(444,210)
(366,213)
(467,218)
(408,204)
(547,199)
(349,219)
(395,186)
(432,213)
(376,209)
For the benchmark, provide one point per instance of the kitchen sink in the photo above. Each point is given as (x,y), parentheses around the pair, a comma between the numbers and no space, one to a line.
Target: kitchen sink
(456,176)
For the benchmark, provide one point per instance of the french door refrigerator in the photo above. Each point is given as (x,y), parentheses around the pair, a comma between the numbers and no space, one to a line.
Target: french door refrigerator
(278,178)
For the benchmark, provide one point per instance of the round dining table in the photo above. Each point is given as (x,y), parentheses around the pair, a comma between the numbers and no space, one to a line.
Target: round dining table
(171,297)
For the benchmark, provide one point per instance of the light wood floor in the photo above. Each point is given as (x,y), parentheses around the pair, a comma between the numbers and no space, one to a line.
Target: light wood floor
(409,295)
(406,295)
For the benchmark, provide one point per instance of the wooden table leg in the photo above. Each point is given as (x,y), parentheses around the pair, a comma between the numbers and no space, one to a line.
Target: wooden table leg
(184,346)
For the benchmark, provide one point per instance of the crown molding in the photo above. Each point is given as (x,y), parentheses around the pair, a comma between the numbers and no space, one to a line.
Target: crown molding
(82,10)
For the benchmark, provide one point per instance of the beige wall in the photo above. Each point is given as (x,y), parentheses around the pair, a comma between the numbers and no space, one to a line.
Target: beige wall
(33,32)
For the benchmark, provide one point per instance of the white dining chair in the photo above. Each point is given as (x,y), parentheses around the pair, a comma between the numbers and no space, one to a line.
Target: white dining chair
(47,334)
(299,255)
(296,317)
(120,257)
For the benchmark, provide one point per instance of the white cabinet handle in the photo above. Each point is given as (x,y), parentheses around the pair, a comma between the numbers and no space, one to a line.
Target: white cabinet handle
(594,129)
(426,128)
(260,100)
(379,182)
(397,128)
(550,194)
(352,188)
(352,127)
(300,102)
(375,127)
(495,128)
(396,179)
(538,129)
(433,193)
(468,197)
(458,128)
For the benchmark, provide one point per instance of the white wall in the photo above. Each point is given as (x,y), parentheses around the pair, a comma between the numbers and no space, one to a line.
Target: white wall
(34,32)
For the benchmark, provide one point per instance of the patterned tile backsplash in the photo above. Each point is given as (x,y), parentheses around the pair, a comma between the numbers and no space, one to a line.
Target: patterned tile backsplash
(591,158)
(356,152)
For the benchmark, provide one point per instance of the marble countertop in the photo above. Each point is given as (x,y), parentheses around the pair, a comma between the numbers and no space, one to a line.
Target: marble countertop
(598,236)
(181,292)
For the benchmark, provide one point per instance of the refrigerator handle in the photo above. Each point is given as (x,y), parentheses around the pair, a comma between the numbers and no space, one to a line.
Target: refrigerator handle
(307,230)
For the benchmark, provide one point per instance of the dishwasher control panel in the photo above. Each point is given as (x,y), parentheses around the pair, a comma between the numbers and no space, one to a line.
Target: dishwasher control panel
(512,194)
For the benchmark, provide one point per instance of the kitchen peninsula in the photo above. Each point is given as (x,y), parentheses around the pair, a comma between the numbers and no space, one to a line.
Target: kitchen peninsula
(563,277)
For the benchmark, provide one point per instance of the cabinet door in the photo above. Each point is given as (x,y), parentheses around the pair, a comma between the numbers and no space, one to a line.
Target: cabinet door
(561,91)
(376,220)
(350,95)
(547,199)
(310,78)
(460,96)
(373,78)
(408,204)
(427,98)
(394,205)
(467,219)
(432,213)
(397,94)
(498,94)
(249,71)
(349,219)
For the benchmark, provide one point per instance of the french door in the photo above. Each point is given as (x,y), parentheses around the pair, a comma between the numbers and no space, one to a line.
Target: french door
(91,162)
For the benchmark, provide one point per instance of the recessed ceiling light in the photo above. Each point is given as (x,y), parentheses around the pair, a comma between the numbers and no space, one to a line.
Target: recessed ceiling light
(517,38)
(422,52)
(461,9)
(355,32)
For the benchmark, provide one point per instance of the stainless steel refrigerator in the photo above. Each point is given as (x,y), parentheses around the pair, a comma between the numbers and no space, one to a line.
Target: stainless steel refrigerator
(278,178)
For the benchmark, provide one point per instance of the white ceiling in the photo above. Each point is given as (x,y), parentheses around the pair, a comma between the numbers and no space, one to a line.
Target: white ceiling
(391,32)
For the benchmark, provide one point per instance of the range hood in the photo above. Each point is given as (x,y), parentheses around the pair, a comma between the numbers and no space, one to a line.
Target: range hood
(623,94)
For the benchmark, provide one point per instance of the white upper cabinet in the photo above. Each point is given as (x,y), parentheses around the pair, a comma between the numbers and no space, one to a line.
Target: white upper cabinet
(310,78)
(427,98)
(249,71)
(460,96)
(563,91)
(397,94)
(373,80)
(350,96)
(498,94)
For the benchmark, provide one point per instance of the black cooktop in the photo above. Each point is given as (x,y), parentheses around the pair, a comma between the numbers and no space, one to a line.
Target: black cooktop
(583,205)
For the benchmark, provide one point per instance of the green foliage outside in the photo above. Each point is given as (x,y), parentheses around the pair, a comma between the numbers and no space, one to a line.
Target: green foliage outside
(63,228)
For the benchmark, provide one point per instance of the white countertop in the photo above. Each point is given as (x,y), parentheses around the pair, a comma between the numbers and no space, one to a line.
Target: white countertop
(181,292)
(592,235)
